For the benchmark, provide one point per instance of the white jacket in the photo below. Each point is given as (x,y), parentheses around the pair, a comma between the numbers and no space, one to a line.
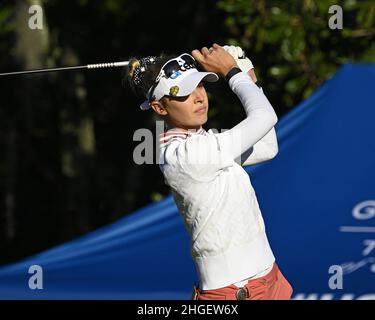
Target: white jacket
(214,193)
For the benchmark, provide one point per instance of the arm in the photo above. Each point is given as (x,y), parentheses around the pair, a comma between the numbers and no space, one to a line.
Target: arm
(259,123)
(265,149)
(260,116)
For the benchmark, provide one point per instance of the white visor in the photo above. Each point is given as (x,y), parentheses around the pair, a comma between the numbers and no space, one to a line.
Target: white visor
(181,84)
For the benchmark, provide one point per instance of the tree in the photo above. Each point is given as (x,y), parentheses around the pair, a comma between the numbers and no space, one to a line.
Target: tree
(293,47)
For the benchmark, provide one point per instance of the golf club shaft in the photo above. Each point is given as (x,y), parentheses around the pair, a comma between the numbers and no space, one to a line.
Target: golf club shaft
(89,66)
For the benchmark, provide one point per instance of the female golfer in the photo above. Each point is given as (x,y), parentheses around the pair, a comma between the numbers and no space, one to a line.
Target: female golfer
(204,169)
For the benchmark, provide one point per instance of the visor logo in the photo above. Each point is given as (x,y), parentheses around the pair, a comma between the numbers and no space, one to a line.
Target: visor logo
(175,75)
(173,91)
(186,66)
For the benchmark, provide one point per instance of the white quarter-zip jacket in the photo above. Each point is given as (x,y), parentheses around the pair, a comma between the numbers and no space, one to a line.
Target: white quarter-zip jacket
(214,193)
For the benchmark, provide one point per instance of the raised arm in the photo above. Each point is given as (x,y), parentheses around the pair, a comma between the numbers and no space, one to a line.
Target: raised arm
(265,149)
(260,119)
(253,140)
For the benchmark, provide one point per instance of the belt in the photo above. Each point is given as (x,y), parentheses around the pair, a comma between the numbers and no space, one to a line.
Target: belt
(252,289)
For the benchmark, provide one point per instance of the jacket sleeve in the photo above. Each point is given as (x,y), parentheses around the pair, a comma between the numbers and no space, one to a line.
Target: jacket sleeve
(265,149)
(255,136)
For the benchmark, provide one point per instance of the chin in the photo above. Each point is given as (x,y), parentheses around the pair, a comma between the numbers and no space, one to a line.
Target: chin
(203,119)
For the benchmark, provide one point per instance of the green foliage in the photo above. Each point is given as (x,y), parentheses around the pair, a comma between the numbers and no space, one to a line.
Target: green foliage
(292,45)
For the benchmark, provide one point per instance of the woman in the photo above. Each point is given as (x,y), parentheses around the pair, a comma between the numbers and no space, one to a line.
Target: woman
(204,169)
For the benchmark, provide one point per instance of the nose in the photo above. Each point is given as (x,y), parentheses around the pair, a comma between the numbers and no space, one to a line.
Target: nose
(198,94)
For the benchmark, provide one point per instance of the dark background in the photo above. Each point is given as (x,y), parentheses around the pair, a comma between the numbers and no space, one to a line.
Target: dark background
(66,138)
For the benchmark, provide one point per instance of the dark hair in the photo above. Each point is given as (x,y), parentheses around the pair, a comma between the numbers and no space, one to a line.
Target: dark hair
(146,78)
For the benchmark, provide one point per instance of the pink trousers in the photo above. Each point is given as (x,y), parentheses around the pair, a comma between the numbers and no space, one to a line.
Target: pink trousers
(272,286)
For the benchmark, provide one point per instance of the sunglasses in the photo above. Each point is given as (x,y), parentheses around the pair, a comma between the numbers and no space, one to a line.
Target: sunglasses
(171,69)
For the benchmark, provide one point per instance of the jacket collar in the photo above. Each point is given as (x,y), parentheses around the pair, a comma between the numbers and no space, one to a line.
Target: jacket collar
(171,134)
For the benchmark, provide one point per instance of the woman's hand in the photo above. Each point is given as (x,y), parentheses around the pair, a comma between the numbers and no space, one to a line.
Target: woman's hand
(244,63)
(215,59)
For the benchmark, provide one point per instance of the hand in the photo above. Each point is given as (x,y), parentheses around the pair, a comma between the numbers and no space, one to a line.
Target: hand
(242,61)
(215,59)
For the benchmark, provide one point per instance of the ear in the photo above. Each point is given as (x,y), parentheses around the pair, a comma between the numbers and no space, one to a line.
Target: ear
(159,108)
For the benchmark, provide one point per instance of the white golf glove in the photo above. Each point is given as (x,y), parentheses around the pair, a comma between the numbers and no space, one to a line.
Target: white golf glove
(239,55)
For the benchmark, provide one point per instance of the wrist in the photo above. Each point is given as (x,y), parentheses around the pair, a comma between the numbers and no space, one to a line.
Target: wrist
(228,68)
(233,71)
